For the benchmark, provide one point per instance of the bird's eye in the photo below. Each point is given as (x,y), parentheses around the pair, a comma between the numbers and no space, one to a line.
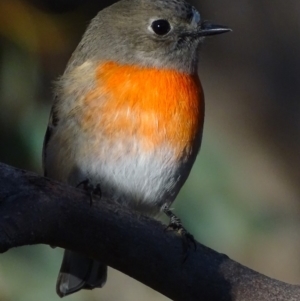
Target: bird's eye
(161,27)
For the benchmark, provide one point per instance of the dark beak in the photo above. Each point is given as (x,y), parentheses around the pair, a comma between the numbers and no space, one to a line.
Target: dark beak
(208,29)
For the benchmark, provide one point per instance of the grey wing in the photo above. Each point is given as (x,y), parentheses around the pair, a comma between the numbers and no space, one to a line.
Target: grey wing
(77,271)
(53,122)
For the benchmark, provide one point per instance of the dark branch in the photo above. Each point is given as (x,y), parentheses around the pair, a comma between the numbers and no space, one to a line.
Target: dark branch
(36,210)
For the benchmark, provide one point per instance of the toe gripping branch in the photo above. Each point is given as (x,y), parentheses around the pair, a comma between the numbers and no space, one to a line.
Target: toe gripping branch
(90,189)
(176,225)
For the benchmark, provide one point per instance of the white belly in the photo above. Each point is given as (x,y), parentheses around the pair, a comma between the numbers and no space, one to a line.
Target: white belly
(142,180)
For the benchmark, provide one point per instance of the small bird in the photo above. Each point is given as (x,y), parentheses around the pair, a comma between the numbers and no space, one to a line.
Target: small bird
(128,115)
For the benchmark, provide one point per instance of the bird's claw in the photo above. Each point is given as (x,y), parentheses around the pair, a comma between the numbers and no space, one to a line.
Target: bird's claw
(175,225)
(91,189)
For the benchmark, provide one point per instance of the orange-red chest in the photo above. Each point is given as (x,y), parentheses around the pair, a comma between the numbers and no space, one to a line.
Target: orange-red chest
(157,107)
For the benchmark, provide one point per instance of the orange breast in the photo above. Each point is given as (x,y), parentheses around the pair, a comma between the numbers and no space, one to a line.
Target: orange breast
(157,107)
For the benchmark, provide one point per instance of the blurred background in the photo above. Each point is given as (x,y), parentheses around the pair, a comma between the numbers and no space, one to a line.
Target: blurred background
(243,196)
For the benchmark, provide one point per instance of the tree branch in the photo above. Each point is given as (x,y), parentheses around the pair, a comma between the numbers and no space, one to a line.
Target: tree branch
(36,210)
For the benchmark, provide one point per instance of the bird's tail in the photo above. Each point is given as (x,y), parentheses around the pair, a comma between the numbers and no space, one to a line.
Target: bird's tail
(79,272)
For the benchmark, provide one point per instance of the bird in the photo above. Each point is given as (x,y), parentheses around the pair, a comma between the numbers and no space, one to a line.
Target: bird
(128,115)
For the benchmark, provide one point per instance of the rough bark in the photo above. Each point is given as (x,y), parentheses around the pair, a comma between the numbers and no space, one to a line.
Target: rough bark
(35,210)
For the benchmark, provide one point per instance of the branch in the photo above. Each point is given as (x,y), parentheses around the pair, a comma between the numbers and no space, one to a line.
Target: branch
(36,210)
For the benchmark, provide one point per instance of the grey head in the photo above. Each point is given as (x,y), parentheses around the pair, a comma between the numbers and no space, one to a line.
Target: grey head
(149,33)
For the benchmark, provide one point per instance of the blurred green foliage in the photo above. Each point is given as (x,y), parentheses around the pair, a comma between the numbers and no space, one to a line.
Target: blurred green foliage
(242,197)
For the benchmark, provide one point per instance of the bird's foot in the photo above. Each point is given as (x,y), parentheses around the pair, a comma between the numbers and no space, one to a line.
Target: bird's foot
(91,189)
(175,224)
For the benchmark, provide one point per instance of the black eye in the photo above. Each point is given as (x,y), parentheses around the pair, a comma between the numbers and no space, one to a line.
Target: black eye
(161,27)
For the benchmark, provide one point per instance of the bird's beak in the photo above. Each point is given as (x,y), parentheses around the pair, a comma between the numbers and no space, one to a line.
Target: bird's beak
(208,29)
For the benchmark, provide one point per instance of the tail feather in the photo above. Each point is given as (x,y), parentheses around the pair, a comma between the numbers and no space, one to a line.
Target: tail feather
(79,272)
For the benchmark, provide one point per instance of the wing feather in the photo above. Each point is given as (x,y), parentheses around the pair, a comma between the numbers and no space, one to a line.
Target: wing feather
(53,122)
